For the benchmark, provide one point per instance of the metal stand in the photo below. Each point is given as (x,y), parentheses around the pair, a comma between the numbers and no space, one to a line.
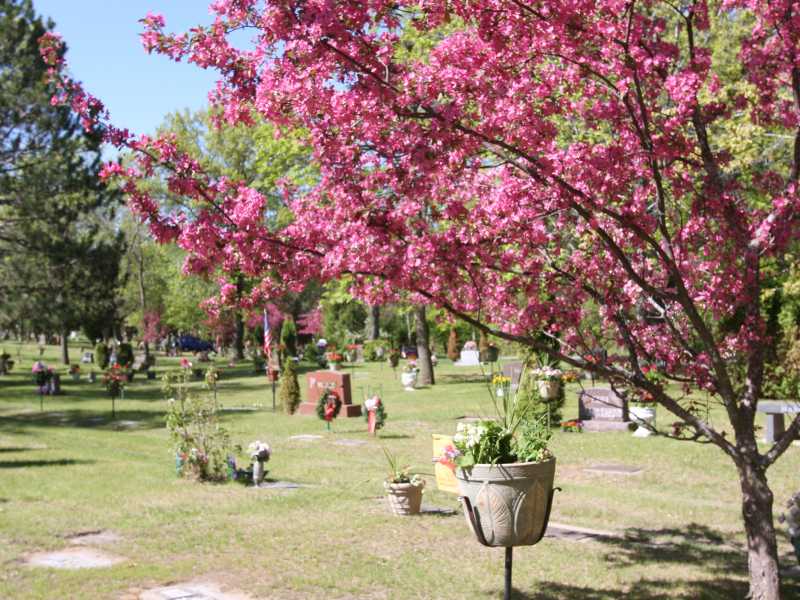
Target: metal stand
(509,559)
(273,392)
(475,525)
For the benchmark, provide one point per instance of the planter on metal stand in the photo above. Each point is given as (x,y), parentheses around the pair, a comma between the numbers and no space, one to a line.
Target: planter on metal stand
(508,505)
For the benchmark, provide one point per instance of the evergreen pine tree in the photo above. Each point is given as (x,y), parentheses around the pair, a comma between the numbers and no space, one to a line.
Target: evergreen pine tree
(289,391)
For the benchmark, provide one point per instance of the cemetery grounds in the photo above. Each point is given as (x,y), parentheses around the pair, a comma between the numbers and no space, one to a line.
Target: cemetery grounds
(638,518)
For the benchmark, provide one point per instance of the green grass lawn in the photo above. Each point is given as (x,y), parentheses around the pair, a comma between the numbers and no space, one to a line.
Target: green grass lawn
(72,469)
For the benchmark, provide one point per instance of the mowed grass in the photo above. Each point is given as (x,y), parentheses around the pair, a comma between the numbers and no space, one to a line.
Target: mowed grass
(73,469)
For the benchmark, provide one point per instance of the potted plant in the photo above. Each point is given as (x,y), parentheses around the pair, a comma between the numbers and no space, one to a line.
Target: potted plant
(260,453)
(403,489)
(394,358)
(549,381)
(505,473)
(408,376)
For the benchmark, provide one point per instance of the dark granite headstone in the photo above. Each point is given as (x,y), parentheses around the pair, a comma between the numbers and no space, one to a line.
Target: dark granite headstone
(600,409)
(513,370)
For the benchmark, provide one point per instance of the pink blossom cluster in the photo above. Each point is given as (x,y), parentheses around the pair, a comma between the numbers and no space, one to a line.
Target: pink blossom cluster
(547,165)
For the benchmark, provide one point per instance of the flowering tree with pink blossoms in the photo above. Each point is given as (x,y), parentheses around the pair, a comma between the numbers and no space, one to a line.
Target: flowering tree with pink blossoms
(544,165)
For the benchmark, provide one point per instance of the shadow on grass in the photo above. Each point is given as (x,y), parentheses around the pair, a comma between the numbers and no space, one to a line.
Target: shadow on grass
(17,449)
(137,419)
(394,436)
(716,554)
(59,462)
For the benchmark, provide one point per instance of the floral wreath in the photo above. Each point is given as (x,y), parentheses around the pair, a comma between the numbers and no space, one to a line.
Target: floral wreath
(328,406)
(375,404)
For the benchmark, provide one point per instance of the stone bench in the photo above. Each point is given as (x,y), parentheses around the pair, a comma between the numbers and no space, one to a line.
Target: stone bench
(774,411)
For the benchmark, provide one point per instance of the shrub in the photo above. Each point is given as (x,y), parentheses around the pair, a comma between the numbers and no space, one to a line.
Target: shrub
(201,444)
(101,355)
(125,355)
(375,350)
(289,336)
(289,392)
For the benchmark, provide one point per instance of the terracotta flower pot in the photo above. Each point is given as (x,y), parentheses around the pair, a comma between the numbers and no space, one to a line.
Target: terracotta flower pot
(511,502)
(404,498)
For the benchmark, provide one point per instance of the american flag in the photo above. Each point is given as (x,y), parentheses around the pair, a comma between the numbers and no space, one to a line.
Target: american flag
(267,340)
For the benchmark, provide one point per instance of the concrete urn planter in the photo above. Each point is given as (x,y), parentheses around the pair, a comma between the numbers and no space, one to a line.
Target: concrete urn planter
(548,390)
(408,380)
(404,498)
(642,415)
(510,503)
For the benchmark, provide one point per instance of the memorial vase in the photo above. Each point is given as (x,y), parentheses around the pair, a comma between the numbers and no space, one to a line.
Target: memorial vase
(548,390)
(511,502)
(404,498)
(408,380)
(642,415)
(258,471)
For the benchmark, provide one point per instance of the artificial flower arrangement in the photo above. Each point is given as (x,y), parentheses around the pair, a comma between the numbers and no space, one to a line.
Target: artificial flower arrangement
(328,407)
(114,380)
(501,384)
(410,367)
(374,413)
(334,357)
(547,373)
(259,451)
(573,425)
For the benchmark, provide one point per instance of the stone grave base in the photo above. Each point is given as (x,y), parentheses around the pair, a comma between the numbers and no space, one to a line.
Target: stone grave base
(599,426)
(192,591)
(613,469)
(304,438)
(73,558)
(93,538)
(347,410)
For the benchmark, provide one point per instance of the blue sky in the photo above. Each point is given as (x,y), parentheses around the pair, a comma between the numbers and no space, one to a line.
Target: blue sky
(104,52)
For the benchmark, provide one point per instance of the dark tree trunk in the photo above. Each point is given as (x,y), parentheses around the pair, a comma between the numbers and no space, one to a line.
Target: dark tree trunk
(423,348)
(238,336)
(65,347)
(374,322)
(762,549)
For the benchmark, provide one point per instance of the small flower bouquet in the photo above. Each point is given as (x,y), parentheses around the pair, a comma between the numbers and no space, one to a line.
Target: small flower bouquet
(259,451)
(334,357)
(574,426)
(501,385)
(186,363)
(410,367)
(547,373)
(448,457)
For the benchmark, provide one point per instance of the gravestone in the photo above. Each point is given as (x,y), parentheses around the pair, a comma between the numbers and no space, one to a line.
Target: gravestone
(469,358)
(513,370)
(600,409)
(320,382)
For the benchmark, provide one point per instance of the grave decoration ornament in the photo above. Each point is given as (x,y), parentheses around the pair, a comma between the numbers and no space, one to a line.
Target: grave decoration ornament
(260,453)
(375,414)
(403,489)
(114,380)
(505,474)
(328,407)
